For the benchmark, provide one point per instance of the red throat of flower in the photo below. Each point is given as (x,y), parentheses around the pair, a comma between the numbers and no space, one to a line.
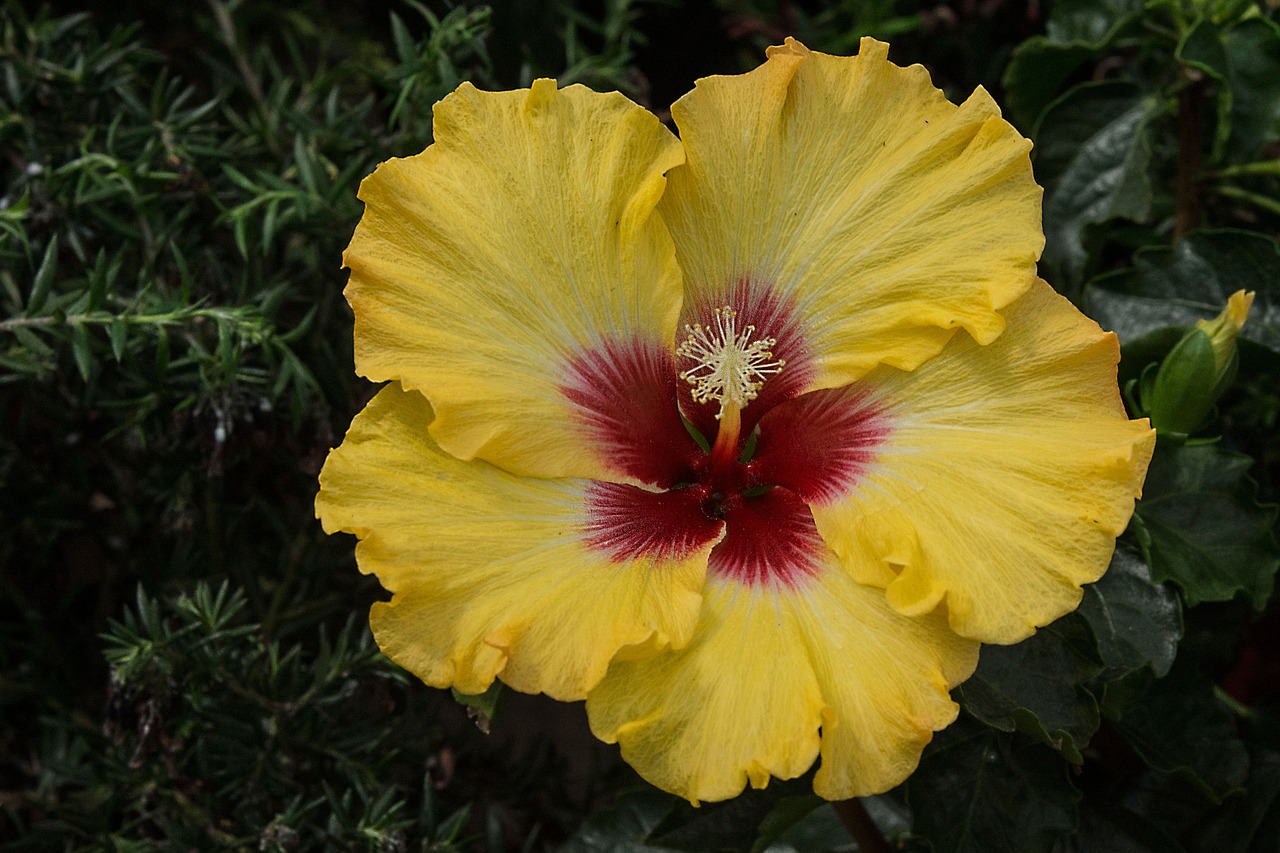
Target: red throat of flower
(804,446)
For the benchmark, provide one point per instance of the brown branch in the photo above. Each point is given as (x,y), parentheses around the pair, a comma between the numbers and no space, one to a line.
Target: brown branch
(1187,210)
(853,814)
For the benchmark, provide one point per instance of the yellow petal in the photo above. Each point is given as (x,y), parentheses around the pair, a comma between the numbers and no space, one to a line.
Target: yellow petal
(496,268)
(493,574)
(1005,475)
(777,675)
(846,209)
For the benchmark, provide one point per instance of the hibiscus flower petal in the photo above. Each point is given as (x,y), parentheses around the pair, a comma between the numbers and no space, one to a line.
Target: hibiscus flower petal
(849,196)
(536,581)
(1001,477)
(497,269)
(791,659)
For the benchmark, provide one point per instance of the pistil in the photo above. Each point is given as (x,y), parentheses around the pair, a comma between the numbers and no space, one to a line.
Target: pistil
(725,450)
(730,368)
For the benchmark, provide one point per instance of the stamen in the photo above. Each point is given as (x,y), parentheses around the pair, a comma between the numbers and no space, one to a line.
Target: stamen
(730,367)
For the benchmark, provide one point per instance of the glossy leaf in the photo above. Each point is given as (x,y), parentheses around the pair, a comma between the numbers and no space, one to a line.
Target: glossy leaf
(623,825)
(1109,826)
(1177,725)
(1254,48)
(1191,281)
(979,790)
(820,831)
(1250,819)
(1201,527)
(1202,48)
(735,824)
(1076,31)
(1242,58)
(786,815)
(1093,154)
(1038,686)
(1136,622)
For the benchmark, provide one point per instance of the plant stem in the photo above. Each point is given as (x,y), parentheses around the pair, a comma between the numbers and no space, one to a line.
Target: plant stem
(1261,167)
(1187,210)
(167,318)
(853,814)
(1262,201)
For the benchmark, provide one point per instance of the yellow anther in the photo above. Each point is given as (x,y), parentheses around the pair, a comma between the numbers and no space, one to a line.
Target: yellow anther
(729,366)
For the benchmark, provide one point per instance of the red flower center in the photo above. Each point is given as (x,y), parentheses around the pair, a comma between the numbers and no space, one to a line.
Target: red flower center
(755,485)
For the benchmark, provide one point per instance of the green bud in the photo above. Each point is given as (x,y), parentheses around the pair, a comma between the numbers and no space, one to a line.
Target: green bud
(1199,369)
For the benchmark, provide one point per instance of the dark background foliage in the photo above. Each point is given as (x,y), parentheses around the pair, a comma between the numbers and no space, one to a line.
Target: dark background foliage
(184,659)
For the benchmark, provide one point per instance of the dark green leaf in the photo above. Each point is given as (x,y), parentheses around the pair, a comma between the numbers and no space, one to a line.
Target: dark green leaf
(978,790)
(1093,154)
(1137,623)
(820,831)
(45,275)
(785,814)
(32,342)
(117,334)
(82,350)
(1036,73)
(1202,48)
(1092,21)
(1109,826)
(162,351)
(1155,808)
(1201,527)
(1037,686)
(1253,46)
(1191,281)
(1177,725)
(1076,30)
(622,826)
(731,825)
(1249,819)
(98,282)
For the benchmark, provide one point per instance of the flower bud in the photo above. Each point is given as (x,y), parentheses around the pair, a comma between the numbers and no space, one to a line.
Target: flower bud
(1197,371)
(1225,328)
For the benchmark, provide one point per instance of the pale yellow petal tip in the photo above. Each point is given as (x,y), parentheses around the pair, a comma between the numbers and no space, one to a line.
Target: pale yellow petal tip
(871,48)
(868,49)
(1224,330)
(758,776)
(1232,318)
(790,46)
(541,93)
(1238,306)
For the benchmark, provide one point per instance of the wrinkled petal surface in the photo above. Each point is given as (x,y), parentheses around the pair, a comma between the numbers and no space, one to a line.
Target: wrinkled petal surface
(495,270)
(537,581)
(778,674)
(1000,478)
(845,208)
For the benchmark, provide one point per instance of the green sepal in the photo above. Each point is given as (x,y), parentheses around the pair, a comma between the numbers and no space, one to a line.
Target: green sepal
(482,708)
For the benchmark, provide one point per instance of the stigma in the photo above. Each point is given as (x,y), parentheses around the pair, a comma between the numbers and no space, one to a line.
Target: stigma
(729,366)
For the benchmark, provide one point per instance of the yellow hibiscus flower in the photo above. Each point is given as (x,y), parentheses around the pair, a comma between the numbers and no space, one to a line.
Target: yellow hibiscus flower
(748,437)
